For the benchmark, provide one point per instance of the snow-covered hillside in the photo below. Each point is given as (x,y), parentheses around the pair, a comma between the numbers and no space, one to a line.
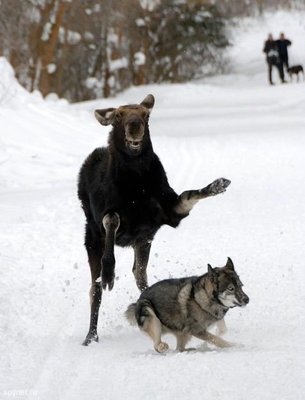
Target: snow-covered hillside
(234,126)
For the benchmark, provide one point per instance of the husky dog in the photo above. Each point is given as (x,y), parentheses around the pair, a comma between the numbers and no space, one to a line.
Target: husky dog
(187,307)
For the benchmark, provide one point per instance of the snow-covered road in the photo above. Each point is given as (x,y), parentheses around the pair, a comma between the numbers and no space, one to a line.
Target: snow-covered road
(252,137)
(231,127)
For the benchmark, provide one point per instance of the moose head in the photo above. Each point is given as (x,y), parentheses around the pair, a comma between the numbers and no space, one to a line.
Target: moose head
(130,131)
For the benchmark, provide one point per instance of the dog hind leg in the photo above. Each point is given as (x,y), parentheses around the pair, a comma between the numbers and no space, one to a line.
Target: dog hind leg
(152,326)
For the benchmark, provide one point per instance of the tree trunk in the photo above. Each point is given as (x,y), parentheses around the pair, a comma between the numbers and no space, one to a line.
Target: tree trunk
(45,50)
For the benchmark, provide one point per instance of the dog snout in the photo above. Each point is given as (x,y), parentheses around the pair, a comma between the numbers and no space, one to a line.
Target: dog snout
(245,299)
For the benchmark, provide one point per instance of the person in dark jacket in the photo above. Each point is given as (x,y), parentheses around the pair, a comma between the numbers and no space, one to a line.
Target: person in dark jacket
(282,44)
(273,58)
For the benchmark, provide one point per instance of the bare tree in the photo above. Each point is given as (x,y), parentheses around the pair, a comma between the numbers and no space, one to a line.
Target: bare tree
(84,49)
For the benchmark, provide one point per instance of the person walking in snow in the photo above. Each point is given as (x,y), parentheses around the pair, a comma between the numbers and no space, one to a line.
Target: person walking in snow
(273,58)
(282,45)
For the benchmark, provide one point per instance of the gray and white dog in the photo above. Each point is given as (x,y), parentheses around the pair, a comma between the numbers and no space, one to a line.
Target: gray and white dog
(187,307)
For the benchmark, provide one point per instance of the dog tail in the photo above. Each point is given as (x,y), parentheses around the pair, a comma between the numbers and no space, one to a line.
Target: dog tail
(130,314)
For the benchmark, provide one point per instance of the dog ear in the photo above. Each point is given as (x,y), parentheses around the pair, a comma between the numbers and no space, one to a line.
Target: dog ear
(211,273)
(148,102)
(105,116)
(229,264)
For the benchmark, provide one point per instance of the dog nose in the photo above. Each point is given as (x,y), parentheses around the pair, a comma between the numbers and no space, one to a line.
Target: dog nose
(246,299)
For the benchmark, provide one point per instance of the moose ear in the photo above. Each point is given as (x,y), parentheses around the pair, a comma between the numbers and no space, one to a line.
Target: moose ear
(105,116)
(230,264)
(148,102)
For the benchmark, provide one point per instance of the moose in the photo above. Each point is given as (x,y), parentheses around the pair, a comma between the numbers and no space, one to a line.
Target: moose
(126,198)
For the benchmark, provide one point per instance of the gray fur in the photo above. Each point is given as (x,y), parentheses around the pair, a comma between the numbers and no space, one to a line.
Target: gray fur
(187,307)
(130,314)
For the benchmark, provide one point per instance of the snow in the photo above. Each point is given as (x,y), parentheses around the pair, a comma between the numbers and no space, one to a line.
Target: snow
(234,126)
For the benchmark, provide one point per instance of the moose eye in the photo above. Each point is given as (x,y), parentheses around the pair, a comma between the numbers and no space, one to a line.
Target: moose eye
(230,288)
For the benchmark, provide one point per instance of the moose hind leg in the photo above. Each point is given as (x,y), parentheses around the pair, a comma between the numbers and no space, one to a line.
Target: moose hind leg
(111,223)
(94,250)
(141,256)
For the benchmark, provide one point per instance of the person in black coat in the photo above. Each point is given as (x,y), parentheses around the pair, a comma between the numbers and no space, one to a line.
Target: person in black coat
(273,58)
(282,44)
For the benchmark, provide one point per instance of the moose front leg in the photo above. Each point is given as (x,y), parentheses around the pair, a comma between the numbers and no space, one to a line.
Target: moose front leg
(189,198)
(94,245)
(141,256)
(111,223)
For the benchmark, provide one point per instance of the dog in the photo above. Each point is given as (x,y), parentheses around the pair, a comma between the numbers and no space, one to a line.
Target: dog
(187,307)
(295,69)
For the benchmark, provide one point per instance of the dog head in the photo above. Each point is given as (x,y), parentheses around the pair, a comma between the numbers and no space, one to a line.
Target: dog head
(227,287)
(130,122)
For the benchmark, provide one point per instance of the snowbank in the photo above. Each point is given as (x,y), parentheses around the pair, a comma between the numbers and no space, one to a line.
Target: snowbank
(10,90)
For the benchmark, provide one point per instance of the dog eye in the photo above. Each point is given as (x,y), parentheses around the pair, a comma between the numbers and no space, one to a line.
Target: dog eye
(230,288)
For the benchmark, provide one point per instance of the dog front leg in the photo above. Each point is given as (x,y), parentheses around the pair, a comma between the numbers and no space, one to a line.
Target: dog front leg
(189,198)
(213,339)
(182,340)
(111,223)
(221,327)
(141,256)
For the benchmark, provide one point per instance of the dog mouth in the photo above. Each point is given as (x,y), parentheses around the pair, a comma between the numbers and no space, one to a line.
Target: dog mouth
(241,304)
(229,303)
(134,145)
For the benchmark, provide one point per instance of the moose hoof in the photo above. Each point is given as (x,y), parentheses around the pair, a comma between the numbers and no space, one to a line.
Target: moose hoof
(91,337)
(107,275)
(142,285)
(219,186)
(107,281)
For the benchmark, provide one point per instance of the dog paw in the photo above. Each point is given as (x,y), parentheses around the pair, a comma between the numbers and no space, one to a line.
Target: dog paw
(219,186)
(227,344)
(162,347)
(238,345)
